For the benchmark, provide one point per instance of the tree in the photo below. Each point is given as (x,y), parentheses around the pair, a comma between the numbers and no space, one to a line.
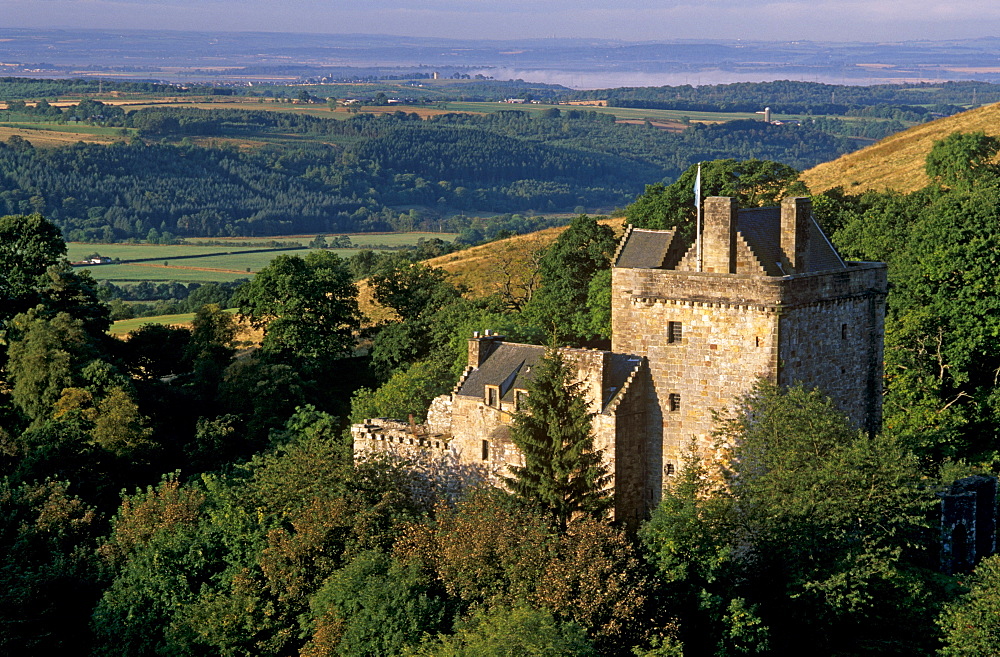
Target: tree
(307,306)
(562,473)
(971,624)
(154,351)
(963,159)
(567,268)
(753,183)
(119,426)
(29,245)
(503,631)
(374,606)
(47,583)
(414,289)
(46,355)
(816,535)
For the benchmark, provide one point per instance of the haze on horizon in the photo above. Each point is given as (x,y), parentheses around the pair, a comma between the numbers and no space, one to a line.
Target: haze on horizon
(627,20)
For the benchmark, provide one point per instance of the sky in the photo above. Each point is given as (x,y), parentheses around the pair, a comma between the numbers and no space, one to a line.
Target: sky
(628,20)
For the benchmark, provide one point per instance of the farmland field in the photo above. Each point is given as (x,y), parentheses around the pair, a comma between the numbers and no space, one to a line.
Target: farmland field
(241,261)
(161,274)
(123,326)
(77,251)
(226,267)
(369,239)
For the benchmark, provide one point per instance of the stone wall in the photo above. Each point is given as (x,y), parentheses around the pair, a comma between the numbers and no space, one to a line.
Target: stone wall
(823,329)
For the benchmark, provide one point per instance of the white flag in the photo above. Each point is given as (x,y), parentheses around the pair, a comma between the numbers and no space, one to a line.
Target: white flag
(697,188)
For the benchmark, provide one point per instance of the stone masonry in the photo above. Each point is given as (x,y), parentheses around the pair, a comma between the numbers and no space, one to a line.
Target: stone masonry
(771,299)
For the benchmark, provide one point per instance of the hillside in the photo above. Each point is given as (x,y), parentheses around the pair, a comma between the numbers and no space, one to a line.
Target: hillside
(508,267)
(897,162)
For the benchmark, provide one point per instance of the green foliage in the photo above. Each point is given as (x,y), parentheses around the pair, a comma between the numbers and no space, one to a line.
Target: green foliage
(504,631)
(963,160)
(559,306)
(492,551)
(414,290)
(264,394)
(754,183)
(154,351)
(941,355)
(29,245)
(407,392)
(598,306)
(818,536)
(374,606)
(48,582)
(971,623)
(46,355)
(562,474)
(307,306)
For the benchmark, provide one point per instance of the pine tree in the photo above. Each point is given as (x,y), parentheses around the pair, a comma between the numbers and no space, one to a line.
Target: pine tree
(562,472)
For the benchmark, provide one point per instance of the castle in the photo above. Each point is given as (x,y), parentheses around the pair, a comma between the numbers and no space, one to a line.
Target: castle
(765,296)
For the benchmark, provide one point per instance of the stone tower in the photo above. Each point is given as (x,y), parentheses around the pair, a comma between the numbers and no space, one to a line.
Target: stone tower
(770,298)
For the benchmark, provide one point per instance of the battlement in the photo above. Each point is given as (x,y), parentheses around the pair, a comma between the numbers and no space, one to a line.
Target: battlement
(393,434)
(860,279)
(770,298)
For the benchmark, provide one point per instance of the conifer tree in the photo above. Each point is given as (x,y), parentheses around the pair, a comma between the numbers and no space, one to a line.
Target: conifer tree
(562,472)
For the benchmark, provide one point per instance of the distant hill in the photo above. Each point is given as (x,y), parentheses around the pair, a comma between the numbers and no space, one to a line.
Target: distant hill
(897,162)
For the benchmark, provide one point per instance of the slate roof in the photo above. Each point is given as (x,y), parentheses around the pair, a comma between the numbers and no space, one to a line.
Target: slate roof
(511,366)
(645,249)
(508,366)
(760,227)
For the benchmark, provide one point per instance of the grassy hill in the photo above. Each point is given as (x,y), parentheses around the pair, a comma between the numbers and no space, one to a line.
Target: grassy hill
(897,162)
(510,264)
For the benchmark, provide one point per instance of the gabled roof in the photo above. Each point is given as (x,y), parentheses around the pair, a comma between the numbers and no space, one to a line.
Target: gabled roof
(510,366)
(645,249)
(760,228)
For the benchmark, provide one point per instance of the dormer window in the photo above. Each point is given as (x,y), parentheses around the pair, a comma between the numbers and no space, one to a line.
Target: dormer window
(493,396)
(520,400)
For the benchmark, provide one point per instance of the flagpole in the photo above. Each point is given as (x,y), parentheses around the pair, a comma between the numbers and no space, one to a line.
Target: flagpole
(697,205)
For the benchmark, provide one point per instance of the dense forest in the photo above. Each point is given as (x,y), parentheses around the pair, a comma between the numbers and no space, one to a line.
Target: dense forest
(795,97)
(365,173)
(184,493)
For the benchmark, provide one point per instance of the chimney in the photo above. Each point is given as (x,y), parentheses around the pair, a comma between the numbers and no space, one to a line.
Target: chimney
(796,214)
(480,348)
(718,241)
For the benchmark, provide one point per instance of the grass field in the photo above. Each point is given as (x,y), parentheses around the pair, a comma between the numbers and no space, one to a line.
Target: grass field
(52,138)
(123,326)
(622,113)
(215,268)
(161,274)
(372,239)
(77,251)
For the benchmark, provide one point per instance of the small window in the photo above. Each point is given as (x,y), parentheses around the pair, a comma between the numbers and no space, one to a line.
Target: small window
(843,331)
(674,401)
(486,450)
(493,396)
(674,332)
(669,469)
(520,400)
